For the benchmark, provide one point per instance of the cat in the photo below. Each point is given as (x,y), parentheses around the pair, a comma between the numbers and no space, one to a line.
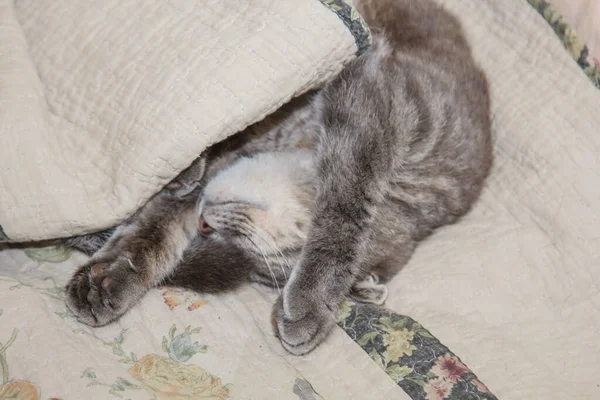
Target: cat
(254,216)
(401,145)
(161,243)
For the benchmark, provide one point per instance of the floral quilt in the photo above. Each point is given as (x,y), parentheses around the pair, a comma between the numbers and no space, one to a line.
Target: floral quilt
(176,345)
(182,345)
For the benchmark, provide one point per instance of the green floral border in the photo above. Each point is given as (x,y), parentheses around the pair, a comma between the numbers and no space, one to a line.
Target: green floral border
(571,40)
(412,357)
(354,22)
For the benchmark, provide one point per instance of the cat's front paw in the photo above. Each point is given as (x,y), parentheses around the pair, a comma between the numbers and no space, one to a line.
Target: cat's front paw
(101,292)
(303,325)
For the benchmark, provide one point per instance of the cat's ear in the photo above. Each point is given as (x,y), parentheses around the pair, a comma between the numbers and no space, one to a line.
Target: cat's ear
(189,179)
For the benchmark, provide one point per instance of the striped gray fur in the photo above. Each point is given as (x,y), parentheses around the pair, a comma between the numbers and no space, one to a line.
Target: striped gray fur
(329,196)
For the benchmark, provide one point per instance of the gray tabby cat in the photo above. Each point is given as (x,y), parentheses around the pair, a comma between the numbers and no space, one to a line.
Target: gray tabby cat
(402,146)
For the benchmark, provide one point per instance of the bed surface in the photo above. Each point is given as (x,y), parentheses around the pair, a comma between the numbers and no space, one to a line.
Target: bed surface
(512,292)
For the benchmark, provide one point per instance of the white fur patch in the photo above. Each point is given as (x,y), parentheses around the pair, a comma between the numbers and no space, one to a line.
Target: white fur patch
(276,187)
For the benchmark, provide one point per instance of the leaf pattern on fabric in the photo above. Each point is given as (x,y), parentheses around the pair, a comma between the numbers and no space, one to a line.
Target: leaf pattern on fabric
(166,377)
(53,254)
(14,389)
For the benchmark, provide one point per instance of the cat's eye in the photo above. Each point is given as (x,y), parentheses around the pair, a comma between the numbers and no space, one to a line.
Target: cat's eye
(204,226)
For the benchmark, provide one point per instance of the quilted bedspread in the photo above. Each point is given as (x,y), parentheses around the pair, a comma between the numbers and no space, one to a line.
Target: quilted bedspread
(176,345)
(504,304)
(103,102)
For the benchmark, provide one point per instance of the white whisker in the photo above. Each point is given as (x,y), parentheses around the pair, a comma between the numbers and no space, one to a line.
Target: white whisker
(271,243)
(267,262)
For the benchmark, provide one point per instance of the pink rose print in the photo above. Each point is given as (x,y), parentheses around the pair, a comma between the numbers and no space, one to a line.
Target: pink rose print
(449,367)
(437,389)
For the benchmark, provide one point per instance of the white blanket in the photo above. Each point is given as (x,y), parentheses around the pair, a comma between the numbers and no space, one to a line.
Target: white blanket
(103,102)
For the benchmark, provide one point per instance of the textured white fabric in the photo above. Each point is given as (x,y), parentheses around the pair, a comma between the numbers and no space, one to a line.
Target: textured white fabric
(51,355)
(103,102)
(514,288)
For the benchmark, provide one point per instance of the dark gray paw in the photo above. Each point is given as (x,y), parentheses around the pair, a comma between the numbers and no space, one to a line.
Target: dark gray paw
(101,292)
(302,326)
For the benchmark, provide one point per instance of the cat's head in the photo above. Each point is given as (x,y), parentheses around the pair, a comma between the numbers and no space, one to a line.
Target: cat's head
(262,204)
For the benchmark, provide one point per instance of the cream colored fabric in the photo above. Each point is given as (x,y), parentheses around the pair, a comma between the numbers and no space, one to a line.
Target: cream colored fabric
(514,289)
(103,102)
(237,356)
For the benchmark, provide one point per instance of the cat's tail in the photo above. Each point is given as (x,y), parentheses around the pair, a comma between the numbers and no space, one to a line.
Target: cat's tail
(408,22)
